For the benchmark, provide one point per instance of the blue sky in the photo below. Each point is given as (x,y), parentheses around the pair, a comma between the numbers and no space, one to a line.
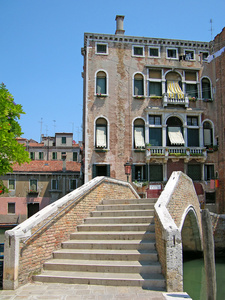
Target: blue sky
(41,40)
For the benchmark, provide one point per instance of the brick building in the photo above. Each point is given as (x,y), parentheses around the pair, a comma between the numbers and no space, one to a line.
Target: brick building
(54,171)
(151,102)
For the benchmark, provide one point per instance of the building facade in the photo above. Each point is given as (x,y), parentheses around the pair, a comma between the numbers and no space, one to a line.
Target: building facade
(150,102)
(54,171)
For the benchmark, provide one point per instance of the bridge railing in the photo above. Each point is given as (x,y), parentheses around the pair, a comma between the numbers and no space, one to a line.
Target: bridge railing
(35,239)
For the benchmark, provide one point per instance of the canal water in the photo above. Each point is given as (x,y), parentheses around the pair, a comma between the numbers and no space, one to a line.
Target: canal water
(195,282)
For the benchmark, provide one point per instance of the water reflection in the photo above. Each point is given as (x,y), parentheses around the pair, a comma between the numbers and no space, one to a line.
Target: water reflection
(194,278)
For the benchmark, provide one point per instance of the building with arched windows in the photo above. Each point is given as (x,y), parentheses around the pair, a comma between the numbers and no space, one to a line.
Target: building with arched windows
(153,103)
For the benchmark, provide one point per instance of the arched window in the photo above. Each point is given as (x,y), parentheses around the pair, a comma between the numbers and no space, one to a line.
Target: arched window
(207,134)
(138,85)
(206,89)
(101,83)
(101,134)
(173,86)
(174,132)
(139,134)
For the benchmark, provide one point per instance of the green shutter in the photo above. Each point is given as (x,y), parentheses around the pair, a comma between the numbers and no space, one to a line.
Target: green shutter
(108,170)
(93,171)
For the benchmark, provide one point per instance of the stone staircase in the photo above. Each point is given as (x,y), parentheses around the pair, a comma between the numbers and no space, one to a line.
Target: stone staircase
(114,246)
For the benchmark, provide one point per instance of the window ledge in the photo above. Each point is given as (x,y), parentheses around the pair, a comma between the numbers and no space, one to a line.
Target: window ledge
(101,150)
(207,100)
(101,95)
(139,97)
(55,191)
(139,150)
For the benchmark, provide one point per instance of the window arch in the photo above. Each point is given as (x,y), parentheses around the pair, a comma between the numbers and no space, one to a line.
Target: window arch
(138,85)
(101,133)
(174,85)
(174,132)
(206,88)
(207,134)
(139,134)
(101,83)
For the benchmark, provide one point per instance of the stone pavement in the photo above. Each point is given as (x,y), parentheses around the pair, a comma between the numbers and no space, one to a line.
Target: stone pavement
(56,291)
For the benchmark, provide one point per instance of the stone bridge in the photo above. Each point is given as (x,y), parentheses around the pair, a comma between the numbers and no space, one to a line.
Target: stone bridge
(177,228)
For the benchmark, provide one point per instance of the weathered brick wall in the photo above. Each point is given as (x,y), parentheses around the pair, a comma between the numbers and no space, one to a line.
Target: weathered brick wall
(56,228)
(160,244)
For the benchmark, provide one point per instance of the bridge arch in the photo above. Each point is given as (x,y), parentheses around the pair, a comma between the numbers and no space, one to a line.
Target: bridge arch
(190,231)
(178,227)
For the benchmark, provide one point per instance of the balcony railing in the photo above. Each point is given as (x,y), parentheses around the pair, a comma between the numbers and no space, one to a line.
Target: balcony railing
(185,152)
(175,100)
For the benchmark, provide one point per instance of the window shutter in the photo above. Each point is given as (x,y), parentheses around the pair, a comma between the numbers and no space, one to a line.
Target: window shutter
(139,137)
(93,171)
(108,170)
(101,136)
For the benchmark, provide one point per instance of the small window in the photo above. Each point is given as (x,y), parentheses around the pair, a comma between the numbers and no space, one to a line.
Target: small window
(100,170)
(189,54)
(33,185)
(154,120)
(204,55)
(75,156)
(11,208)
(206,89)
(139,134)
(12,184)
(138,85)
(138,51)
(207,134)
(32,155)
(55,184)
(209,172)
(101,83)
(63,155)
(41,155)
(192,90)
(154,88)
(54,155)
(101,133)
(172,53)
(63,140)
(73,184)
(192,121)
(101,48)
(154,52)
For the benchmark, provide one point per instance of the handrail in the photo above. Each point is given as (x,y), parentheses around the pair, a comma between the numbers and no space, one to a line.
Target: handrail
(76,198)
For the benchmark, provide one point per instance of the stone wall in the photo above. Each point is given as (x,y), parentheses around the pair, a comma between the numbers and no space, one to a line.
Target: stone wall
(218,223)
(31,243)
(177,201)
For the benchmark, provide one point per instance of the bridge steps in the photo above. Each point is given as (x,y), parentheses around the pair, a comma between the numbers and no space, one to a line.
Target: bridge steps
(110,248)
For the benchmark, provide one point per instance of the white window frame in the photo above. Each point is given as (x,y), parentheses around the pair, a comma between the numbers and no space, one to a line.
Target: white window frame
(70,182)
(96,47)
(190,50)
(57,184)
(30,185)
(107,82)
(143,76)
(154,47)
(138,46)
(14,184)
(170,48)
(107,132)
(201,54)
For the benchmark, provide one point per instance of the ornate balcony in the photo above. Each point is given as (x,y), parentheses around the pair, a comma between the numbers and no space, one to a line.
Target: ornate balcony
(175,100)
(186,153)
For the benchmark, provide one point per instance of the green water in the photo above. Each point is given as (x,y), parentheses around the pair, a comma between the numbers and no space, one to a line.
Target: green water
(194,278)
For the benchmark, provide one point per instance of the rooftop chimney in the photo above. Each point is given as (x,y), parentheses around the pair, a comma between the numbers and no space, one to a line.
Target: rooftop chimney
(119,25)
